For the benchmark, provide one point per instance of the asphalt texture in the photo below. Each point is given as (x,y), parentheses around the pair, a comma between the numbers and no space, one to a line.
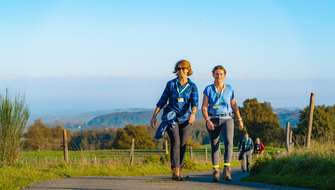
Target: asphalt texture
(193,181)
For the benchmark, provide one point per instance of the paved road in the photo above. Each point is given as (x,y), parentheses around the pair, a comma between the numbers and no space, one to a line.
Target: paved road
(199,181)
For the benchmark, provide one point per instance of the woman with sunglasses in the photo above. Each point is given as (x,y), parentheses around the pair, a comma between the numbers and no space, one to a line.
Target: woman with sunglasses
(218,106)
(180,102)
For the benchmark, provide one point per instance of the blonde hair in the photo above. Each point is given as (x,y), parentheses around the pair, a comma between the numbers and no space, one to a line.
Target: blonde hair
(183,63)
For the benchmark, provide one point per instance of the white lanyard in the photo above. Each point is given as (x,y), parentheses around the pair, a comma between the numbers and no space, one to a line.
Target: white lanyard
(220,94)
(182,90)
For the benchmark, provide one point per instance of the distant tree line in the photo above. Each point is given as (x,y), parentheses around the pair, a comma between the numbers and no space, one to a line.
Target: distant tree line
(39,136)
(259,120)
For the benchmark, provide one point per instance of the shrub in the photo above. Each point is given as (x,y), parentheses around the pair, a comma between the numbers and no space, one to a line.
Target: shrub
(14,115)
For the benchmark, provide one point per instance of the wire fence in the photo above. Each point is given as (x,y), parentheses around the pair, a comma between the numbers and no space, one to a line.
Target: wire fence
(130,156)
(115,155)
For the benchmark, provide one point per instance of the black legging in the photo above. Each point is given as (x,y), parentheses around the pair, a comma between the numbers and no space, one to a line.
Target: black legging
(178,137)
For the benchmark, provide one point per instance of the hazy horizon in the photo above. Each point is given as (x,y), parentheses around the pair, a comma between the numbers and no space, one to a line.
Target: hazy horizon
(75,96)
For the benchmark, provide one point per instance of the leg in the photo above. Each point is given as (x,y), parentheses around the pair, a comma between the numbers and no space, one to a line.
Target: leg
(249,158)
(228,134)
(184,131)
(215,143)
(244,161)
(215,149)
(175,146)
(240,158)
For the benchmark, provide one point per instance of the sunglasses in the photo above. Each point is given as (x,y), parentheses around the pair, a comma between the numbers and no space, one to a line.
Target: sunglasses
(181,68)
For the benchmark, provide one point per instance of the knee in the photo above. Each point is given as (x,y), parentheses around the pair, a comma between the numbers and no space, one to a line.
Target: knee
(215,142)
(176,143)
(183,142)
(229,144)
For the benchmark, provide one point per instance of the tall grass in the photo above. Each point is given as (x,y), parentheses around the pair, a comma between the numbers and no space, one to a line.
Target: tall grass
(14,115)
(313,168)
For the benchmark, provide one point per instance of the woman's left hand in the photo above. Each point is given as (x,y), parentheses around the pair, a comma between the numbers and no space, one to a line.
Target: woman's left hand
(240,125)
(192,119)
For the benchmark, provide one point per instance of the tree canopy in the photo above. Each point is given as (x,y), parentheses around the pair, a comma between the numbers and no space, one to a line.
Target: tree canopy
(323,126)
(260,121)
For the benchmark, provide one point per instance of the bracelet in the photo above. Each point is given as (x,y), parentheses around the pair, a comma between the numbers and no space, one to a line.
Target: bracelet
(239,119)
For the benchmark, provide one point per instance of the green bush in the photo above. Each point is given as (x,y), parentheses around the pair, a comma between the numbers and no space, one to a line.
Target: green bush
(14,115)
(260,163)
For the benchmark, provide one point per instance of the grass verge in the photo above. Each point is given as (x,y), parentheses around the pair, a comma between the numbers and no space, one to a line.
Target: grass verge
(22,174)
(312,168)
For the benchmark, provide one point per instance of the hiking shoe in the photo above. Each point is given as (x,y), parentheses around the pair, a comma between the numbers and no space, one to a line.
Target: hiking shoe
(180,178)
(216,176)
(176,174)
(227,173)
(177,178)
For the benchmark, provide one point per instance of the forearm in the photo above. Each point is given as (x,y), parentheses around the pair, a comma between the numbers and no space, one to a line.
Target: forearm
(205,113)
(237,112)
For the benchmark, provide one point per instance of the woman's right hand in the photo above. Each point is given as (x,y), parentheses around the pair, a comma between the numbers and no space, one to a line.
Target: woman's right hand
(240,125)
(210,125)
(153,122)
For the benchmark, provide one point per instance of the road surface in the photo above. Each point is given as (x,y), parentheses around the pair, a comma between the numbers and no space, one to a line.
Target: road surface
(195,181)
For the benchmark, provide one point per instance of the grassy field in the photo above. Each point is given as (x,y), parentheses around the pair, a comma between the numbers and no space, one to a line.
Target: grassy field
(44,165)
(35,166)
(313,168)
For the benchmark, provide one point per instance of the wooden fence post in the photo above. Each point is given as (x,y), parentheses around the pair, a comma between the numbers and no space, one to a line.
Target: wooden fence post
(166,147)
(65,147)
(95,161)
(131,159)
(310,120)
(288,139)
(291,138)
(191,152)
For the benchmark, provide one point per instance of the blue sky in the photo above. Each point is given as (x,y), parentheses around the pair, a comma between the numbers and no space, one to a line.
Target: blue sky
(140,40)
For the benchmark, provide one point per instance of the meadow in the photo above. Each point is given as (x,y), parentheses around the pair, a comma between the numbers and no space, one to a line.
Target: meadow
(36,166)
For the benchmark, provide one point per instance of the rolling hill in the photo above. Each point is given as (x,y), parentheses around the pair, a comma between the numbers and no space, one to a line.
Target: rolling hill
(120,119)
